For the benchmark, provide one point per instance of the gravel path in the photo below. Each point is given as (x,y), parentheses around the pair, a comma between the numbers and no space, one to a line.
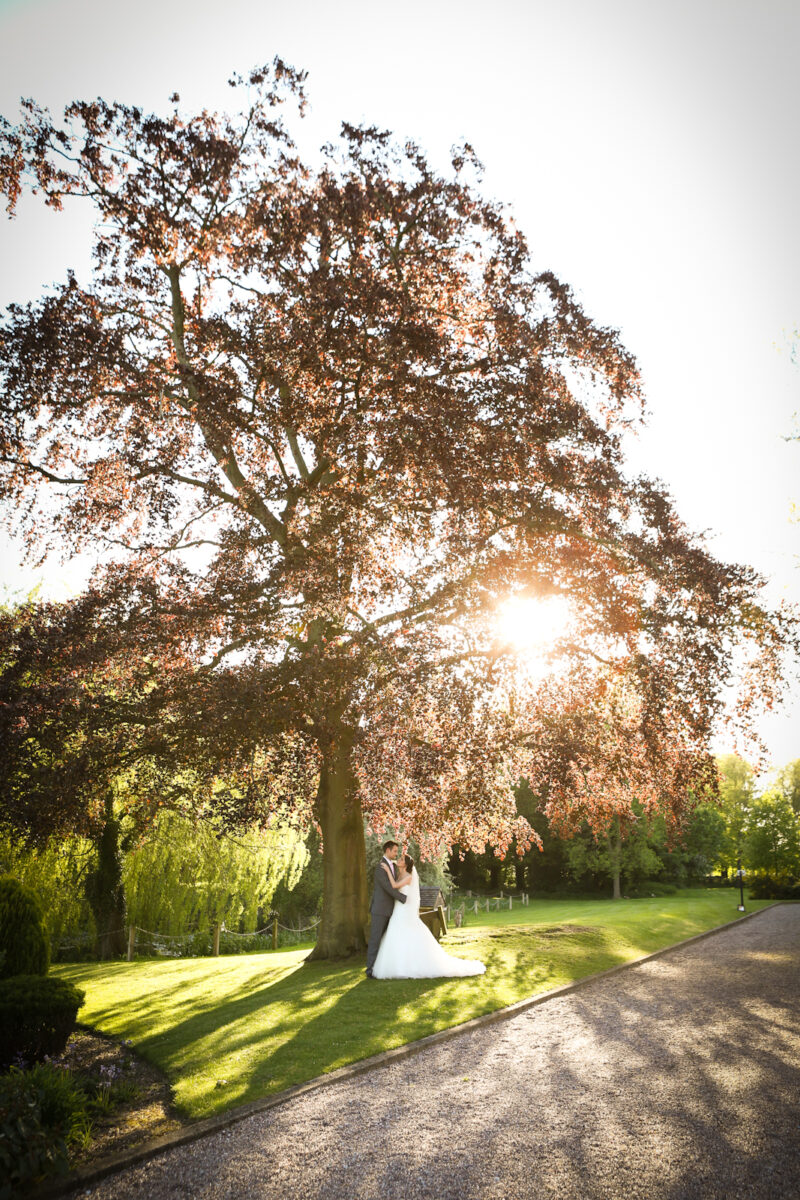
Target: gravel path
(674,1080)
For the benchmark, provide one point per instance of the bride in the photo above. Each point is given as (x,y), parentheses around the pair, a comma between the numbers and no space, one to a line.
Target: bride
(409,950)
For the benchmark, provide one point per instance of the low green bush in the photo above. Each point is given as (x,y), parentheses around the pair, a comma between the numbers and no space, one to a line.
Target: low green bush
(37,1015)
(61,1096)
(48,1111)
(35,1115)
(764,887)
(23,941)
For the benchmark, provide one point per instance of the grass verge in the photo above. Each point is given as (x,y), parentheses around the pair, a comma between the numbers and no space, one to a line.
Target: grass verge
(232,1029)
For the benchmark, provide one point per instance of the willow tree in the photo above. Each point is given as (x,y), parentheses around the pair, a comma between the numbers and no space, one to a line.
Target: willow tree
(98,748)
(320,422)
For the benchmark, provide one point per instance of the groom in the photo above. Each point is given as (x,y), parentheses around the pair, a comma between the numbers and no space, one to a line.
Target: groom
(383,898)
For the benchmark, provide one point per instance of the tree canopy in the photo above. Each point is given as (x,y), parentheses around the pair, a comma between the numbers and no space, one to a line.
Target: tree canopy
(319,423)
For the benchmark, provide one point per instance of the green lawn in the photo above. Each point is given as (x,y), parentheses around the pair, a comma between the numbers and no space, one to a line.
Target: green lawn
(231,1029)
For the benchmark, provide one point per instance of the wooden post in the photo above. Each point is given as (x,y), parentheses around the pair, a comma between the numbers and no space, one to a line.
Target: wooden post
(216,941)
(510,903)
(131,941)
(275,934)
(476,908)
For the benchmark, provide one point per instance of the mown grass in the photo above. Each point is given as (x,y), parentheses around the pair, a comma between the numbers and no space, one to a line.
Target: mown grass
(229,1030)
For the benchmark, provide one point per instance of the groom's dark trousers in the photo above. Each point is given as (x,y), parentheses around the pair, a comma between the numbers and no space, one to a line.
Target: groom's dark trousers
(383,899)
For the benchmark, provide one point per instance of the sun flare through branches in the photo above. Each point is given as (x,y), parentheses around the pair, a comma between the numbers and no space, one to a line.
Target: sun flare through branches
(534,627)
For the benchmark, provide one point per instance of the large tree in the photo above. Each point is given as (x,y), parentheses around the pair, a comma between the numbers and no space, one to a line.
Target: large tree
(737,794)
(323,422)
(772,837)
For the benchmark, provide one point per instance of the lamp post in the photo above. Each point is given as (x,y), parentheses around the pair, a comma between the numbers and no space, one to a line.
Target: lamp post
(740,873)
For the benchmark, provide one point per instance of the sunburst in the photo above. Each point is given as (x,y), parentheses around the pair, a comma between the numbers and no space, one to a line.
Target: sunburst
(533,627)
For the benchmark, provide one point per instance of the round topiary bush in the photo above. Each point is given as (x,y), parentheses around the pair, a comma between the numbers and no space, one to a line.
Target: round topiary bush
(37,1015)
(24,946)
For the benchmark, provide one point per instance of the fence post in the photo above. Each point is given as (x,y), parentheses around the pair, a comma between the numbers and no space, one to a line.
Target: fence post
(476,908)
(275,933)
(216,941)
(131,941)
(510,903)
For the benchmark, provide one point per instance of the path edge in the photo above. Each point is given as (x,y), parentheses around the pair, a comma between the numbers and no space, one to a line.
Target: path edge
(82,1178)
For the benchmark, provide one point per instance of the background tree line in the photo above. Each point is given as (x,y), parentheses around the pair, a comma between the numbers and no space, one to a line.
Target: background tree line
(760,825)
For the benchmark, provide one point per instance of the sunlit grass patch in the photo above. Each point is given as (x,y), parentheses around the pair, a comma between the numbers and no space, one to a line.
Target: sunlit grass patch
(231,1029)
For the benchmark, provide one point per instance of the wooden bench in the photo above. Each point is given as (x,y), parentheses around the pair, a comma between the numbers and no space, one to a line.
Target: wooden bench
(432,910)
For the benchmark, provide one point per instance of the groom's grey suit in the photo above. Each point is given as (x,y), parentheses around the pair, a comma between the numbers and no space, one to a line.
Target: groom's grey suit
(383,901)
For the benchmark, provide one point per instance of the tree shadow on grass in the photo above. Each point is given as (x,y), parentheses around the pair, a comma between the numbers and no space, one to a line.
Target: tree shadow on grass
(285,1025)
(312,1021)
(292,1030)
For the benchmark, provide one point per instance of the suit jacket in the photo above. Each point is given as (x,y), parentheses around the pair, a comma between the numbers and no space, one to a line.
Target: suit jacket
(384,895)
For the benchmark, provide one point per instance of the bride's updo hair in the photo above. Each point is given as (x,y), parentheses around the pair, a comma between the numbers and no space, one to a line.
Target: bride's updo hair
(409,862)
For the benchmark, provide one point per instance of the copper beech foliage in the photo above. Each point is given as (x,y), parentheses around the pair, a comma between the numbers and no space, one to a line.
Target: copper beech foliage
(318,423)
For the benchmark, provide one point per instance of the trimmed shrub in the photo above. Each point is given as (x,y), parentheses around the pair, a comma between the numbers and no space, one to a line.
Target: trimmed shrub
(23,940)
(37,1015)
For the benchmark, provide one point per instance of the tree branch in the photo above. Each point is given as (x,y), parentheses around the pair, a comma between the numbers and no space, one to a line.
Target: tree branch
(29,466)
(223,454)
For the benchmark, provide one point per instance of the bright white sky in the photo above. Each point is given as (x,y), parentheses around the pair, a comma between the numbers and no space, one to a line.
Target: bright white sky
(648,149)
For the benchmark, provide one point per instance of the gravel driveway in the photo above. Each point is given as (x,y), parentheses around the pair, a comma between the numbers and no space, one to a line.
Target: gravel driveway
(676,1079)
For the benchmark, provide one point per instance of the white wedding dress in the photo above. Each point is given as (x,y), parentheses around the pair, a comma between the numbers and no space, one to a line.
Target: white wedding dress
(410,951)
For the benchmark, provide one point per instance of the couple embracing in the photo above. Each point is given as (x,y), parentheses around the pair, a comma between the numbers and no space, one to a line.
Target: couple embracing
(401,946)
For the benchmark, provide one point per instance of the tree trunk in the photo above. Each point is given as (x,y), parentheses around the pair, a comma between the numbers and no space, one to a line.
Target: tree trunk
(615,855)
(343,929)
(104,889)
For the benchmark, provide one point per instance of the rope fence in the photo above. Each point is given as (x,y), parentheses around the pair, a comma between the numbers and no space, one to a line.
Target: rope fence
(203,942)
(221,938)
(81,941)
(474,905)
(197,943)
